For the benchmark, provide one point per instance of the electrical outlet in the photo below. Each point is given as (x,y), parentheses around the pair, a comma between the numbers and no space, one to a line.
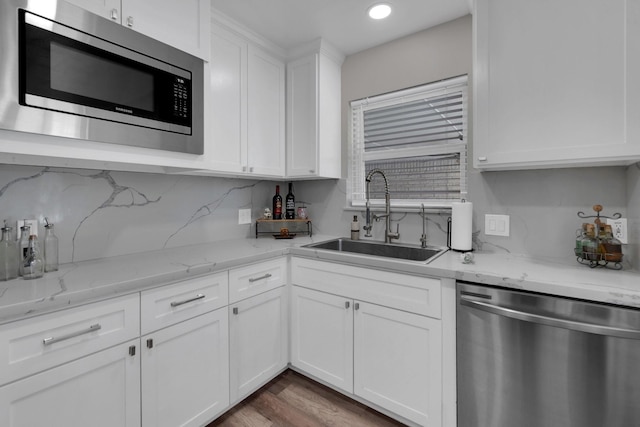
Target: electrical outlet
(244,216)
(496,225)
(619,228)
(33,223)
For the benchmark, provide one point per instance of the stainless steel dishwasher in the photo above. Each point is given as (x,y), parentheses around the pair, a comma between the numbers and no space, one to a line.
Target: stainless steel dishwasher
(534,360)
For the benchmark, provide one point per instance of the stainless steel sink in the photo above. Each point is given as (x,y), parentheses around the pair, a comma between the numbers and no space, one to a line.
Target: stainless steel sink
(364,247)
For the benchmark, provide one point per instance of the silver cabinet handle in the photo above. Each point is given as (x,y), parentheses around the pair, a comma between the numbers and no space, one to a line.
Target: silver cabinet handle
(52,340)
(255,279)
(235,310)
(482,158)
(251,169)
(551,321)
(114,14)
(196,298)
(347,304)
(130,21)
(356,306)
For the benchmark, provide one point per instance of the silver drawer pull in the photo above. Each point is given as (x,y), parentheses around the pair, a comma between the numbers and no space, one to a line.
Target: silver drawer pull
(196,298)
(255,279)
(51,340)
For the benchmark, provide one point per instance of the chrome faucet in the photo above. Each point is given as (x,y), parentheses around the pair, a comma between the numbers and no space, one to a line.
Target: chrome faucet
(388,235)
(423,238)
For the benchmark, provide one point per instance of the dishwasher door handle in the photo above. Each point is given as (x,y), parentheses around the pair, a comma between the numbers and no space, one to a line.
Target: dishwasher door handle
(552,321)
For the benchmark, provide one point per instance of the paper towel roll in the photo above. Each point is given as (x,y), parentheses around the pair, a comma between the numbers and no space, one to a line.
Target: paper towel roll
(461,225)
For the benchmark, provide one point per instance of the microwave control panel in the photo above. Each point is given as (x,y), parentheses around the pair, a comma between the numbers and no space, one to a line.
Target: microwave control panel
(181,97)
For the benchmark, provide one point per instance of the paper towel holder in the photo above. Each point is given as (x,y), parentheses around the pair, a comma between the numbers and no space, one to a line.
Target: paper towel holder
(449,238)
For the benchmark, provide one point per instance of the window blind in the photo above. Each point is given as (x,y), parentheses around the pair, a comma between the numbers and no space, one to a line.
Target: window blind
(417,136)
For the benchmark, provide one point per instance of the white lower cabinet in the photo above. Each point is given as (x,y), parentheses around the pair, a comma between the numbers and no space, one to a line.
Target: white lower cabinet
(387,356)
(397,359)
(99,390)
(322,336)
(182,354)
(258,341)
(185,352)
(184,372)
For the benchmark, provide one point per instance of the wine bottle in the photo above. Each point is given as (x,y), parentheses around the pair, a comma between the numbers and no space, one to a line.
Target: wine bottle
(277,204)
(290,204)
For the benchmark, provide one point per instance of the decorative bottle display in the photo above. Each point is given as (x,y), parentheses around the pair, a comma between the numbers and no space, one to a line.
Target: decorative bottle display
(8,255)
(596,245)
(23,246)
(50,248)
(32,264)
(290,204)
(277,204)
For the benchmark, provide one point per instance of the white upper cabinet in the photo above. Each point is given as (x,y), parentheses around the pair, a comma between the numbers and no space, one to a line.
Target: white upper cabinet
(313,113)
(183,24)
(247,89)
(555,83)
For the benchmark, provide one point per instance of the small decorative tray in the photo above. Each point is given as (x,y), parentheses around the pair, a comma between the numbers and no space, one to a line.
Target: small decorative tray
(283,236)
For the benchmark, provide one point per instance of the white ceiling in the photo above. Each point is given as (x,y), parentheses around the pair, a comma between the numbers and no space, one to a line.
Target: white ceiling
(343,23)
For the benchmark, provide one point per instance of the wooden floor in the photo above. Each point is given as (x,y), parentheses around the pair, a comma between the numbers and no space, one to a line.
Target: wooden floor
(292,400)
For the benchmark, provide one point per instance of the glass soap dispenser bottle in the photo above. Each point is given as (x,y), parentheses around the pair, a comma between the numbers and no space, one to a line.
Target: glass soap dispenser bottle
(9,260)
(50,248)
(33,264)
(23,246)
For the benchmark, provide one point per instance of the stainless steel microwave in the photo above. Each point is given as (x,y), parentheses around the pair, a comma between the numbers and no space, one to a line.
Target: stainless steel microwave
(69,73)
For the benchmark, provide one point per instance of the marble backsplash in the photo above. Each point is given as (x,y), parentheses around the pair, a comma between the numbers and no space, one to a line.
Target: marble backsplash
(542,205)
(104,213)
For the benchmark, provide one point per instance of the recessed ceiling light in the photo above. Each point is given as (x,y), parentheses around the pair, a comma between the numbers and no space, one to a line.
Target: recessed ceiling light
(379,11)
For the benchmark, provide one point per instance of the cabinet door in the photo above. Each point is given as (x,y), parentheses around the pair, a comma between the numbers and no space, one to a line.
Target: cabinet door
(398,362)
(100,390)
(109,9)
(184,24)
(322,336)
(266,113)
(185,376)
(228,102)
(258,341)
(302,116)
(552,85)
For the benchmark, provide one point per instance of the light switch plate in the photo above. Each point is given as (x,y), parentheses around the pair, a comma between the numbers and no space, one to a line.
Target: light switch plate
(244,216)
(496,225)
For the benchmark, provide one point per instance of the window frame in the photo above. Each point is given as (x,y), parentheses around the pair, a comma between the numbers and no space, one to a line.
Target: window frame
(358,157)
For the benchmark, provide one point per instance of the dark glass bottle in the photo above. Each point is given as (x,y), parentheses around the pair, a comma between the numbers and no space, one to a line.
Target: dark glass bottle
(290,204)
(277,204)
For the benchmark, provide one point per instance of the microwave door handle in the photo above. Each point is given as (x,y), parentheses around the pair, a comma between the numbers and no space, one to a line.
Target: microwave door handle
(551,321)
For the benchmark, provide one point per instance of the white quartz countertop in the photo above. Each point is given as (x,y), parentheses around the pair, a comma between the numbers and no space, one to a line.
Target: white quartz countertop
(88,281)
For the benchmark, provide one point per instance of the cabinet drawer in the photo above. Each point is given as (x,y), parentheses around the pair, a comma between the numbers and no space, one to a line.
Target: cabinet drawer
(171,304)
(42,342)
(245,282)
(420,295)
